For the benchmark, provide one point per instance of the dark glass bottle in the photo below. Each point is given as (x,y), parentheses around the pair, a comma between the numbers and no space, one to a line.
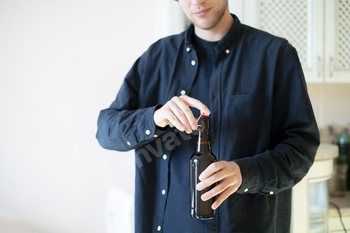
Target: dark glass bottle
(343,143)
(199,161)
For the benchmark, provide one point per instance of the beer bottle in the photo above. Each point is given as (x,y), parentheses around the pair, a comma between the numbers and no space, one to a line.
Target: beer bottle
(199,161)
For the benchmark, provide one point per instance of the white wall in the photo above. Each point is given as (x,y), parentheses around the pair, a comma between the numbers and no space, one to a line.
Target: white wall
(331,104)
(61,62)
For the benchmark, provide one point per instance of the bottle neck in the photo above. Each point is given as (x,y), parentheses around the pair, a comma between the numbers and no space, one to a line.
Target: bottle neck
(203,142)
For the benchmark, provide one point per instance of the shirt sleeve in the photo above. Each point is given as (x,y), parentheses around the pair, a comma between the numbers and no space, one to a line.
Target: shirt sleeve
(125,125)
(294,134)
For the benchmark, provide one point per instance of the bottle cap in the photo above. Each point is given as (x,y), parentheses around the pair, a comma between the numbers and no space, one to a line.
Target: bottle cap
(205,115)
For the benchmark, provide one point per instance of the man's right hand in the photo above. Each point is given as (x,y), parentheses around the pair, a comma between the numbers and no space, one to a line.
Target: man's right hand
(176,112)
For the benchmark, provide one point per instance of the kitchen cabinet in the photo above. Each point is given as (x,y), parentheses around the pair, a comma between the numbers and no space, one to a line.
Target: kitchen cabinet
(337,41)
(319,30)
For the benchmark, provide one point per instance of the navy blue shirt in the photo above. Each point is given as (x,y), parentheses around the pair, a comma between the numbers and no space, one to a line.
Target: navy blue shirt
(261,118)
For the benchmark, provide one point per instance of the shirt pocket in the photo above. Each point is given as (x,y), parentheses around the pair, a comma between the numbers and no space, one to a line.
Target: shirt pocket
(248,117)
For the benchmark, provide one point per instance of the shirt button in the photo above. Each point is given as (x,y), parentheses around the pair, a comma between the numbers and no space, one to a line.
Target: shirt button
(128,143)
(163,192)
(227,51)
(165,157)
(271,192)
(148,132)
(183,92)
(159,228)
(193,62)
(245,190)
(188,49)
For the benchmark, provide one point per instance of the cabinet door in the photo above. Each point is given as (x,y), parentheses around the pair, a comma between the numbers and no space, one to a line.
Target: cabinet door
(337,43)
(299,21)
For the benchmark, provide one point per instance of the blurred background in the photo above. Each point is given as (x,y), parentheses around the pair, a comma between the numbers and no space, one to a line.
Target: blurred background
(61,62)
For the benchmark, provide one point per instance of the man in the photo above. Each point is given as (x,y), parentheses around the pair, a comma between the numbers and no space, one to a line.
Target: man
(263,129)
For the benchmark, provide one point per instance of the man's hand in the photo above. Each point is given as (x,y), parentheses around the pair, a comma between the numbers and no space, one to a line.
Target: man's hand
(177,112)
(227,172)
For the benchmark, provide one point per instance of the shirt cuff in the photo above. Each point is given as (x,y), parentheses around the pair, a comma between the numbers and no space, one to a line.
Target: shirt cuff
(146,127)
(251,175)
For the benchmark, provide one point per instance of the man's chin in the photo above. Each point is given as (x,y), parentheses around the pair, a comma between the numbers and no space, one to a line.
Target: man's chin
(204,25)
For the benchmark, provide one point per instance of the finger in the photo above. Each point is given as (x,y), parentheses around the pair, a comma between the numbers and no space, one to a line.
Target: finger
(211,169)
(216,190)
(195,103)
(216,177)
(190,119)
(223,196)
(158,117)
(180,115)
(173,120)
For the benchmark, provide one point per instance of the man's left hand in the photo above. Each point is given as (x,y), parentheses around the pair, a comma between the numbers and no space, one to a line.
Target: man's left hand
(227,172)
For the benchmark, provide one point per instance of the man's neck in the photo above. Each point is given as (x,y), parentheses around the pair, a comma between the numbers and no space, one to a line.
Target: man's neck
(217,32)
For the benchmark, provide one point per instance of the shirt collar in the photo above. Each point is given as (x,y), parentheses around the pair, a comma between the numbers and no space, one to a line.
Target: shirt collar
(226,42)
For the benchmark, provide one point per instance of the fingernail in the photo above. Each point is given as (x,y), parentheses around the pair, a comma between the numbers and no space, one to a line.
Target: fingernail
(203,197)
(213,206)
(200,177)
(198,186)
(194,126)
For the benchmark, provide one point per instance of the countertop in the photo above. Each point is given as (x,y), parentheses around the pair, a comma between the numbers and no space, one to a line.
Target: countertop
(327,151)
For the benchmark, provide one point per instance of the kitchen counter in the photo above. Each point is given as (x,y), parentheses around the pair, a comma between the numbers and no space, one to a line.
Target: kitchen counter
(327,151)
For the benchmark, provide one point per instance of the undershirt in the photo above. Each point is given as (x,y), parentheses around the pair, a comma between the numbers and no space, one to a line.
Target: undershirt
(206,56)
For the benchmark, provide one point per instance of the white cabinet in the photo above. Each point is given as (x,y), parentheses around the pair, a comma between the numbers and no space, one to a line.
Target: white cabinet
(318,29)
(337,41)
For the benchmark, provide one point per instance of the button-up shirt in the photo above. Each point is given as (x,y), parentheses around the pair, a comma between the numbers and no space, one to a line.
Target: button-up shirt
(261,118)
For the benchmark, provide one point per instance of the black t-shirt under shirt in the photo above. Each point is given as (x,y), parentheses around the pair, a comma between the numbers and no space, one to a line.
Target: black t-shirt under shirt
(206,56)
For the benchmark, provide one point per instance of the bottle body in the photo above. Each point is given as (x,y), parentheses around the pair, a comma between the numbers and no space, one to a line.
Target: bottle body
(200,209)
(343,142)
(337,183)
(199,161)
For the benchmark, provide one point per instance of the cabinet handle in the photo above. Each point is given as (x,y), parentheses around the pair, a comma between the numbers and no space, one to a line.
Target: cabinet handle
(320,66)
(331,67)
